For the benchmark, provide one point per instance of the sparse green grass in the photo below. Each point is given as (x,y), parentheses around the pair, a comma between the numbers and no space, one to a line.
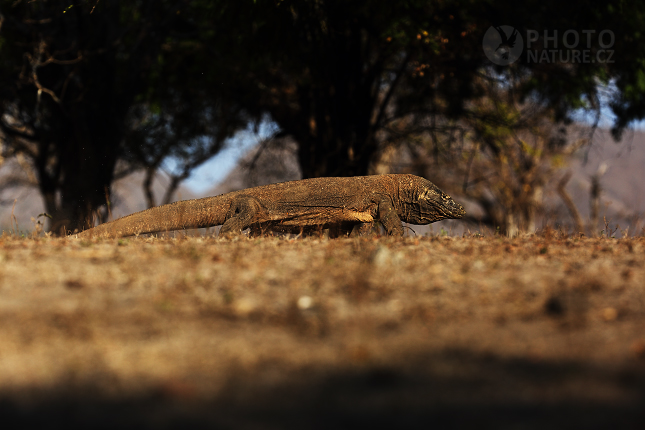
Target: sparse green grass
(340,327)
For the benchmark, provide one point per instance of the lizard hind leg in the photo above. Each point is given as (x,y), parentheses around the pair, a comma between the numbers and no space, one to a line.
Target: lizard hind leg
(244,211)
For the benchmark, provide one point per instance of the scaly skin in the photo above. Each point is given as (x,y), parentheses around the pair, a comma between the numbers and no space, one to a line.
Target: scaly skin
(298,206)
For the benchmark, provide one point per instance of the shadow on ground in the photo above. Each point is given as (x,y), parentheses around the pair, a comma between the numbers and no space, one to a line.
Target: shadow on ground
(449,390)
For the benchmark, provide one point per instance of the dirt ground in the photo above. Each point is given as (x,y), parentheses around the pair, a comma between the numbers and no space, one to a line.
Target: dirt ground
(272,333)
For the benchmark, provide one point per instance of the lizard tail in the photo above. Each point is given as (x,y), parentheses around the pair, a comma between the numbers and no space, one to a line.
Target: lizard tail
(180,215)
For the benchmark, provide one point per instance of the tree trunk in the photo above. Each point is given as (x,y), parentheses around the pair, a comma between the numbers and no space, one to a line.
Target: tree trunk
(317,159)
(80,198)
(332,116)
(80,167)
(568,202)
(147,187)
(534,202)
(511,226)
(596,190)
(338,140)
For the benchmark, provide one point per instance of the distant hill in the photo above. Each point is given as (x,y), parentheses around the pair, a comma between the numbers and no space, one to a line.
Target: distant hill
(623,183)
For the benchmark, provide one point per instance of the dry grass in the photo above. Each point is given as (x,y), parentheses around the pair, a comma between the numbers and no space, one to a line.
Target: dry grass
(277,333)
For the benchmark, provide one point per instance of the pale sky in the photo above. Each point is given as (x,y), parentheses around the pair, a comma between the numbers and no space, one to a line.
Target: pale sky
(214,171)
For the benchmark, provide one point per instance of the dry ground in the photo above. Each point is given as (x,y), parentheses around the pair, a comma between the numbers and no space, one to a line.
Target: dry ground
(540,332)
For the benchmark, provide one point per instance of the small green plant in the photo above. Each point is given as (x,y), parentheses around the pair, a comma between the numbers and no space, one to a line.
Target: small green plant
(165,306)
(13,218)
(608,231)
(228,297)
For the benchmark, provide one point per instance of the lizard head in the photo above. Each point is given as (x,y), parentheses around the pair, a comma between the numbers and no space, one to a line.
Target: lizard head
(431,205)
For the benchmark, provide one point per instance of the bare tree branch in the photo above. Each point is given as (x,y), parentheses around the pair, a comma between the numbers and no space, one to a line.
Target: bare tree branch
(568,202)
(36,62)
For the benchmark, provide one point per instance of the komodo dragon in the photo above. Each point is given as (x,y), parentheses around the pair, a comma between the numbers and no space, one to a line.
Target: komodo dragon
(298,206)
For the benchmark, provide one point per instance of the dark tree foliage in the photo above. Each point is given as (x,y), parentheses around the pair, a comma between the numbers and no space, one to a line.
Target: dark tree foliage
(334,74)
(183,118)
(570,85)
(343,77)
(84,84)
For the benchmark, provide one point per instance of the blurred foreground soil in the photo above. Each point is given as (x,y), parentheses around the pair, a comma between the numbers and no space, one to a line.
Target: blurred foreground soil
(532,333)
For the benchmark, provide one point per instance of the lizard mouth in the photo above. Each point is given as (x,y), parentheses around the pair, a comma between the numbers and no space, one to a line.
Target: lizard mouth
(446,212)
(454,211)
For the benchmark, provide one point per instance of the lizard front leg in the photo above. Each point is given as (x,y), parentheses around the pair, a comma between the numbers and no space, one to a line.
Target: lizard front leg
(243,212)
(389,218)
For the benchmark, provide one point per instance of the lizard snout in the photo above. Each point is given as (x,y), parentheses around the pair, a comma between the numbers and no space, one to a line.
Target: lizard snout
(459,210)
